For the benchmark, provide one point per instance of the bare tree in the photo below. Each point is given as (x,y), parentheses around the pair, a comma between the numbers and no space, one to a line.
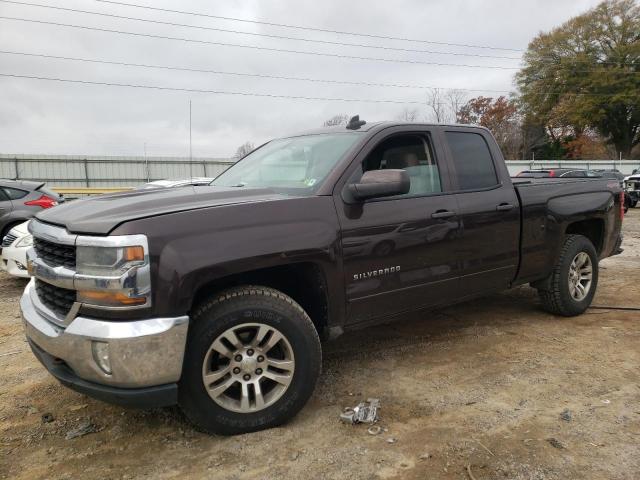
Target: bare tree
(455,99)
(243,150)
(407,115)
(336,120)
(437,107)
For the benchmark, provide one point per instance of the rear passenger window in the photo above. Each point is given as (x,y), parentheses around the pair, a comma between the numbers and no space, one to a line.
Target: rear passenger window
(14,193)
(472,160)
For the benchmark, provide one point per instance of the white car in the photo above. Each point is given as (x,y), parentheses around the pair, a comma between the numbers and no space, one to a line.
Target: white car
(14,251)
(195,181)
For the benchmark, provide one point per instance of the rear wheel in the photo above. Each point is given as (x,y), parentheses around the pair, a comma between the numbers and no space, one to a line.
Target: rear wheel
(252,361)
(573,281)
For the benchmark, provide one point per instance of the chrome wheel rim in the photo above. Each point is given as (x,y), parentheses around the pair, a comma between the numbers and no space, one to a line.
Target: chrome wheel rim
(580,276)
(248,367)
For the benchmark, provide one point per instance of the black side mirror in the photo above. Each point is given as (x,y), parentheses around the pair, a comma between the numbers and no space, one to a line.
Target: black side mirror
(380,183)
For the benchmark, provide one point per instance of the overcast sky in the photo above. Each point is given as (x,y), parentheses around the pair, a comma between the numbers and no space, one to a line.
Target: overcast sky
(38,116)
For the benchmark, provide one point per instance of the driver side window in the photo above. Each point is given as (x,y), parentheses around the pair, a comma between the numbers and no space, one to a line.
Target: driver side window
(412,153)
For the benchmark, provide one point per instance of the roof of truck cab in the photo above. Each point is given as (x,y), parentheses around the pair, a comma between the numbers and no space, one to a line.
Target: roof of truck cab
(374,127)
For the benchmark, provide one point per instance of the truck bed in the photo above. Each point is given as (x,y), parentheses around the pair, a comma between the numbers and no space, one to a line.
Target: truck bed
(547,205)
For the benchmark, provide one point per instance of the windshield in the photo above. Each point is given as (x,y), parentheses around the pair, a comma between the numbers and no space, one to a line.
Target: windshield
(289,165)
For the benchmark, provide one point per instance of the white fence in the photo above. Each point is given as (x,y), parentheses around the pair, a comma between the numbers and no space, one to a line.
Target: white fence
(96,172)
(624,166)
(85,171)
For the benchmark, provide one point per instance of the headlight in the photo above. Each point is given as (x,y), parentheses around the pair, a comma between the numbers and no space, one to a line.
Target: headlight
(109,261)
(25,241)
(113,271)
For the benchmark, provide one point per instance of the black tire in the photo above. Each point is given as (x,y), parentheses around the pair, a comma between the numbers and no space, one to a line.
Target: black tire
(232,308)
(554,294)
(634,203)
(8,227)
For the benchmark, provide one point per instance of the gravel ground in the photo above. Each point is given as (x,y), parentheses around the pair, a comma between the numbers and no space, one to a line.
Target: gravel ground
(495,388)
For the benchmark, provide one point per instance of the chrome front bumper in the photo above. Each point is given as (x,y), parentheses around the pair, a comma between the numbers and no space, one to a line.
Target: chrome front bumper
(143,353)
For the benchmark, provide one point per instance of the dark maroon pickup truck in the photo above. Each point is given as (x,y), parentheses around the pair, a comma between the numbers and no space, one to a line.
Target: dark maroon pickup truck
(217,297)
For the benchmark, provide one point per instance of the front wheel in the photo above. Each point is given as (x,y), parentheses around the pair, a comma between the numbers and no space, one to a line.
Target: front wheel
(573,281)
(253,357)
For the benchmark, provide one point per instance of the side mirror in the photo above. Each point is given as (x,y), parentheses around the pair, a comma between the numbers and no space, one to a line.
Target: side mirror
(380,183)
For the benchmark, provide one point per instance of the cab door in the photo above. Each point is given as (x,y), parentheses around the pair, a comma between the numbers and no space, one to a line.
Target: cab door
(489,212)
(398,251)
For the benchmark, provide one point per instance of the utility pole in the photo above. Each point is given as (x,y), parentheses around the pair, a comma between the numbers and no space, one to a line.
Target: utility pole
(190,145)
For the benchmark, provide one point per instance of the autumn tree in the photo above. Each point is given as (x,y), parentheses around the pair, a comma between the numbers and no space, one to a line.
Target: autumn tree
(243,150)
(499,115)
(584,76)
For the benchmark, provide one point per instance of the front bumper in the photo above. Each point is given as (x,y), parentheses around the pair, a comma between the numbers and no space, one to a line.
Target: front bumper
(143,353)
(146,397)
(14,261)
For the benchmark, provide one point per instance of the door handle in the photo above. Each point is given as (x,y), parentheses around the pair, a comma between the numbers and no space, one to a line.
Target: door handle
(504,207)
(443,214)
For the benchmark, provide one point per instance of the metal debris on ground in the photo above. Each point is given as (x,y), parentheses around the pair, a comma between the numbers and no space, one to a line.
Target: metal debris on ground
(47,418)
(84,429)
(555,443)
(391,440)
(566,415)
(364,412)
(374,430)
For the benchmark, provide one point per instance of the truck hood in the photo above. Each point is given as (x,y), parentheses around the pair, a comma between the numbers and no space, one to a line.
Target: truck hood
(101,214)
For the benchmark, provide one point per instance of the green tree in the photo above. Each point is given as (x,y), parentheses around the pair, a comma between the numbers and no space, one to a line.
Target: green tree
(585,75)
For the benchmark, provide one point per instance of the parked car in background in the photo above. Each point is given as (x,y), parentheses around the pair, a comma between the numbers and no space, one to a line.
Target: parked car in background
(632,187)
(21,200)
(613,174)
(14,250)
(558,172)
(175,183)
(619,177)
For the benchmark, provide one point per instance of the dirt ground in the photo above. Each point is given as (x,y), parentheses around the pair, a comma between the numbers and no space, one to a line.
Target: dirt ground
(491,389)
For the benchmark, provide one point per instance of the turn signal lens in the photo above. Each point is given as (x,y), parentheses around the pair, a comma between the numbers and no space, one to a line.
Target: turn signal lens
(109,298)
(132,254)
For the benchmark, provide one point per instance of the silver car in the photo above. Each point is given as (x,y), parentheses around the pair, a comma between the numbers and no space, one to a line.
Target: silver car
(21,200)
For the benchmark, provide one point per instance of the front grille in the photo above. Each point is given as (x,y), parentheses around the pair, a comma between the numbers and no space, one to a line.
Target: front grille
(8,239)
(60,300)
(55,254)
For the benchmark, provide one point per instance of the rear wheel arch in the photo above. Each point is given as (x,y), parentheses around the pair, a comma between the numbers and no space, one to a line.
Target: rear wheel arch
(593,229)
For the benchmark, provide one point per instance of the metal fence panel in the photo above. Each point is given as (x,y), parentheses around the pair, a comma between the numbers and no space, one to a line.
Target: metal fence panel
(624,166)
(98,171)
(78,171)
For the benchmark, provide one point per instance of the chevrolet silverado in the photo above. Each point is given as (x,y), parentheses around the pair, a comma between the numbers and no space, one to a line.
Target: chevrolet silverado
(217,297)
